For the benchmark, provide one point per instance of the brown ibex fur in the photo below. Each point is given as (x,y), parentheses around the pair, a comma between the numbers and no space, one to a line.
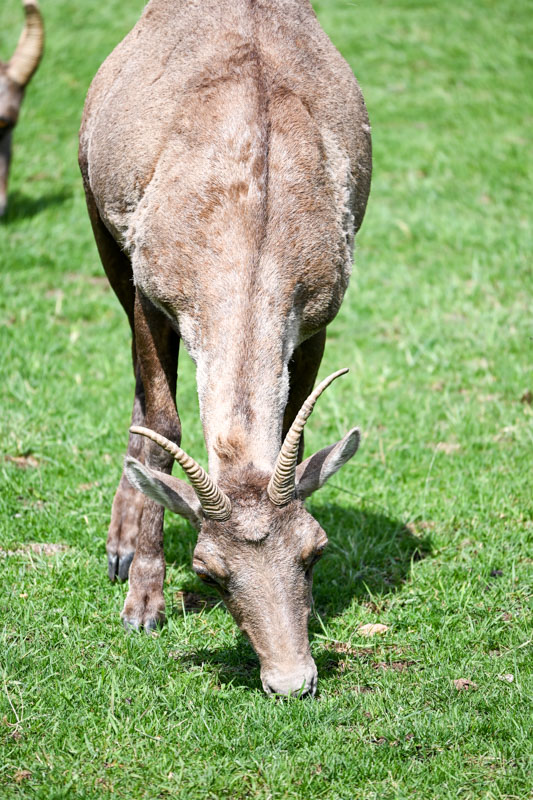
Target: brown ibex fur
(15,75)
(225,151)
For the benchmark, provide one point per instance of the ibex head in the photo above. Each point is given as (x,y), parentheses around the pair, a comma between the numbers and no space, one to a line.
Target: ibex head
(14,77)
(257,544)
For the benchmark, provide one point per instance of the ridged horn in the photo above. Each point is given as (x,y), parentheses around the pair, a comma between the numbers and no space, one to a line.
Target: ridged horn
(282,483)
(29,50)
(215,503)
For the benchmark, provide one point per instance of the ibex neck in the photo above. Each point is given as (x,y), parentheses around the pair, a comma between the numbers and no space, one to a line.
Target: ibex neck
(243,385)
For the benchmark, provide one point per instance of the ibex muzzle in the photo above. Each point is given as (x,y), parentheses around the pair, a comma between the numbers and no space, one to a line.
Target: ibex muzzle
(14,77)
(225,152)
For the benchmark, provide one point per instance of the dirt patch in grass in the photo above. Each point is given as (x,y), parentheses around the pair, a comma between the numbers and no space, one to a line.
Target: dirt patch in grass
(448,448)
(359,689)
(396,666)
(372,629)
(347,649)
(23,461)
(37,548)
(86,487)
(464,685)
(417,527)
(21,775)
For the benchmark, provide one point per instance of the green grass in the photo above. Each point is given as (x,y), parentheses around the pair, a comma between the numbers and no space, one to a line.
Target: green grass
(431,525)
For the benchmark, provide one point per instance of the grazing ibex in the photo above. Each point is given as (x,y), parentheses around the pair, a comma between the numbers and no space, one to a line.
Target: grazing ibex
(14,77)
(225,151)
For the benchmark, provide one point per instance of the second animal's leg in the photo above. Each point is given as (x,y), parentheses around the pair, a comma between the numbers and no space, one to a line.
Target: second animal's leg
(303,369)
(157,353)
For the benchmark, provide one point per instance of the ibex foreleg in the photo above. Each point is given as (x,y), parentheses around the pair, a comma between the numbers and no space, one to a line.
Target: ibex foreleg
(128,502)
(157,352)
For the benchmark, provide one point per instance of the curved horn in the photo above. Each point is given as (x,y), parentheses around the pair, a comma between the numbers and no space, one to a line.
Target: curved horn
(282,483)
(216,504)
(29,50)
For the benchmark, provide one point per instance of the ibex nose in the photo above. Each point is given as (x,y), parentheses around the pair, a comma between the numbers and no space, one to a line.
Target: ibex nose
(299,682)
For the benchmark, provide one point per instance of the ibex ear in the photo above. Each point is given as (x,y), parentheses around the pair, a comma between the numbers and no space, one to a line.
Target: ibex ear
(312,473)
(169,492)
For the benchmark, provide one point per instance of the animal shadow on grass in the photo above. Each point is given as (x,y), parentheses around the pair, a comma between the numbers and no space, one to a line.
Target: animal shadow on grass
(369,557)
(21,206)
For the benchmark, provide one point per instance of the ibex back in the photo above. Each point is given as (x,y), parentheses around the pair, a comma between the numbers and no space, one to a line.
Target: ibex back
(225,151)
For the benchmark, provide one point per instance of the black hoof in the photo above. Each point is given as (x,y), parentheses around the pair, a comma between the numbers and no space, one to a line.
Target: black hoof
(112,564)
(124,566)
(134,625)
(131,625)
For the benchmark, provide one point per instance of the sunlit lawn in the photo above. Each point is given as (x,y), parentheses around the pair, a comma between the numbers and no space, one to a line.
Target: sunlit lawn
(430,526)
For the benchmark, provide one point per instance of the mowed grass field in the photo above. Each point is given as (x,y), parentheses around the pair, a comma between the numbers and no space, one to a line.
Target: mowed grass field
(431,524)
